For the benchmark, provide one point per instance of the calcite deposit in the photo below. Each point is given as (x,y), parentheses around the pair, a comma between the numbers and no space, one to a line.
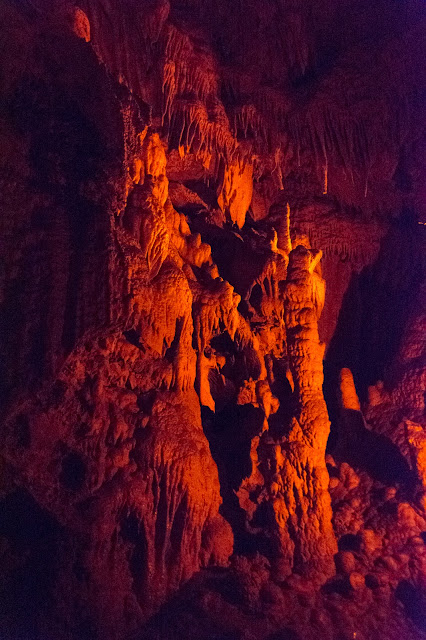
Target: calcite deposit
(213,320)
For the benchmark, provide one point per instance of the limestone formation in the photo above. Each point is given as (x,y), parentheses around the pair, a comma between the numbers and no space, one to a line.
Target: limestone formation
(235,196)
(303,302)
(212,318)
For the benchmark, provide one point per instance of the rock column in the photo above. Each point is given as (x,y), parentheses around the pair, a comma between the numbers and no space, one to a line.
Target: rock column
(303,510)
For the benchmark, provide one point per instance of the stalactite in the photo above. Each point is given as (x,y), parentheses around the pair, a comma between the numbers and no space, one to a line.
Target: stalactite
(347,237)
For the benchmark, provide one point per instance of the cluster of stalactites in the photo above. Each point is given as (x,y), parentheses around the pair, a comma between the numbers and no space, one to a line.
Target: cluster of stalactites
(220,113)
(349,238)
(331,134)
(200,120)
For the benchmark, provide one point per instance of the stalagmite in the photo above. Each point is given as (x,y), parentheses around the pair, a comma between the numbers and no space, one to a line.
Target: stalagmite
(283,227)
(303,470)
(349,397)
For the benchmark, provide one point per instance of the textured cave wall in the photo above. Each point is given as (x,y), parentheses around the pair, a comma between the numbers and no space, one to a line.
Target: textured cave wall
(170,171)
(62,155)
(76,301)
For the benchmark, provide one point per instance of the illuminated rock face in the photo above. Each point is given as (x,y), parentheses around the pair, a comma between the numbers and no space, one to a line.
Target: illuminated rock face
(303,302)
(397,409)
(166,313)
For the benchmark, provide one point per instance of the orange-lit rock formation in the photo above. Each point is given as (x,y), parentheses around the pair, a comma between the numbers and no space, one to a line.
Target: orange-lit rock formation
(212,315)
(307,477)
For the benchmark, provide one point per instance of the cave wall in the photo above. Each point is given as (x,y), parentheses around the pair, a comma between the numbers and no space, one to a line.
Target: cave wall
(202,201)
(62,142)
